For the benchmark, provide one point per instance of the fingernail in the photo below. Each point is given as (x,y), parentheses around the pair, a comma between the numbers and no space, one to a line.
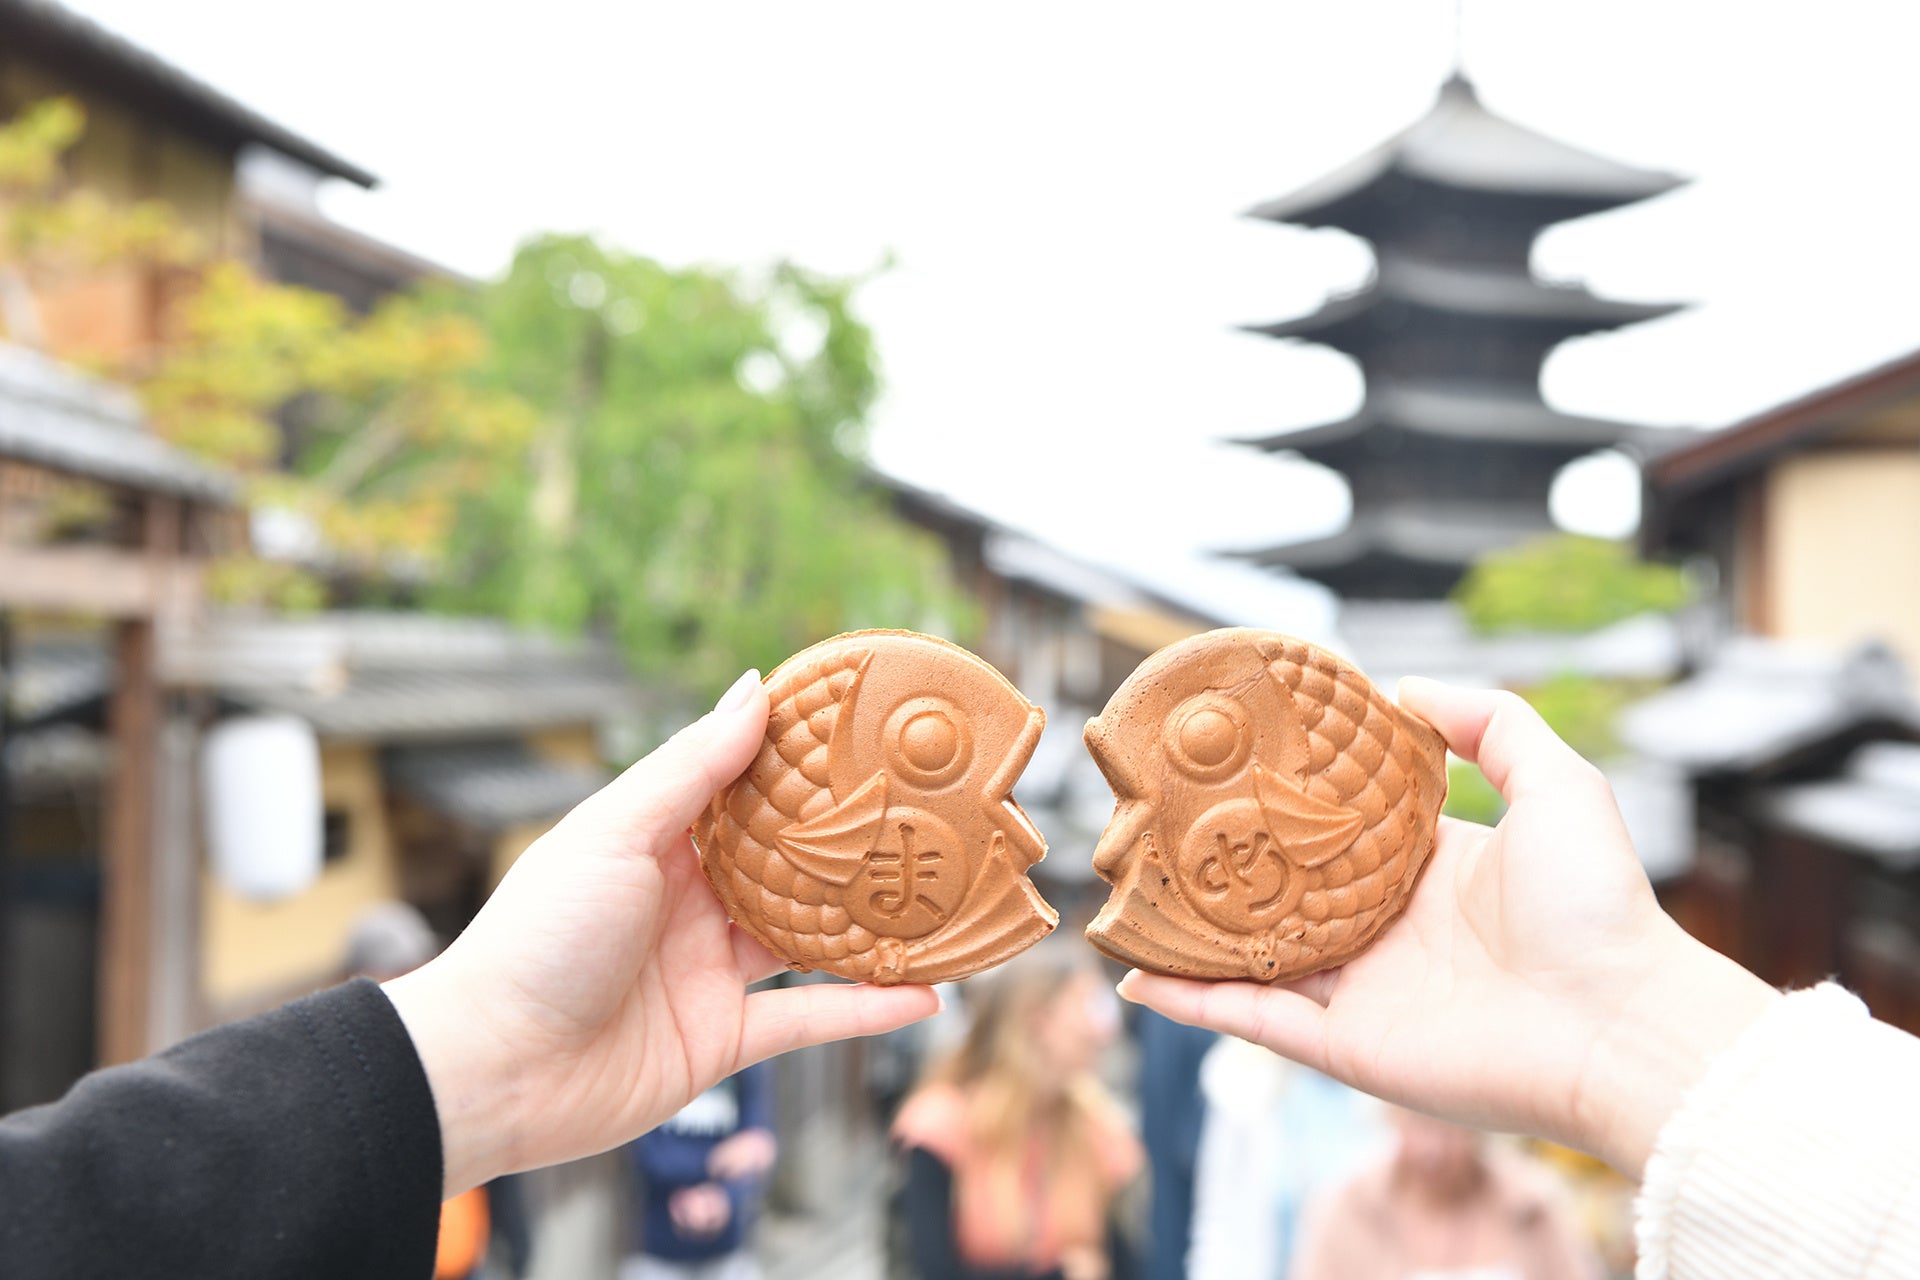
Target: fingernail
(1120,987)
(736,697)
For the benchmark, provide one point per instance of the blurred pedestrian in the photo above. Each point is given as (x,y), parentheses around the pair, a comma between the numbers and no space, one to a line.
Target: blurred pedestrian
(1172,1117)
(700,1180)
(1443,1205)
(1015,1150)
(1276,1135)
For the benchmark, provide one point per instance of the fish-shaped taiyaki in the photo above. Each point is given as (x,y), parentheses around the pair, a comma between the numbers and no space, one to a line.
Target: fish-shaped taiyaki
(1273,809)
(875,836)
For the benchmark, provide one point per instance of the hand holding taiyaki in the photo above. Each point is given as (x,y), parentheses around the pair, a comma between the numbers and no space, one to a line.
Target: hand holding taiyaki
(1273,810)
(601,988)
(1533,985)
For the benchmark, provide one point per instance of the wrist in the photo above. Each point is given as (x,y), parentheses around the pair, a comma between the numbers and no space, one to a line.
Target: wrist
(1686,1009)
(474,1089)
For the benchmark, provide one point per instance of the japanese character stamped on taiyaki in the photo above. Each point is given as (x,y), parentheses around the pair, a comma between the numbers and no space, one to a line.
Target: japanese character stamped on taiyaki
(875,835)
(1273,809)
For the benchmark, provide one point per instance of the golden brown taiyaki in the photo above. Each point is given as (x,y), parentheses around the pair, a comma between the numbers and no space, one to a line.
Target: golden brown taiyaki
(1273,809)
(875,836)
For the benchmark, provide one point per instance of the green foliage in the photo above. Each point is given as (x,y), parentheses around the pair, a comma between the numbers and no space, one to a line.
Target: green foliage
(1583,710)
(1470,796)
(49,228)
(692,484)
(1564,582)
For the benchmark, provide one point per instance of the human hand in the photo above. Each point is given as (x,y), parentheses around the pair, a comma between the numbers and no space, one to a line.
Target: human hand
(747,1154)
(701,1210)
(602,987)
(1534,983)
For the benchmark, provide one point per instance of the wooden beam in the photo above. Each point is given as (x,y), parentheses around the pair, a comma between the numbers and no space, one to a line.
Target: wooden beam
(127,853)
(95,580)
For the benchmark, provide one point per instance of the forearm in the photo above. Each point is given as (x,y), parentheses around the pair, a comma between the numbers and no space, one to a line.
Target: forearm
(1660,1035)
(475,1091)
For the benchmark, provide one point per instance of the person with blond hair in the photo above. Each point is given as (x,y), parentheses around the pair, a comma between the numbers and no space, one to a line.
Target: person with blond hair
(1015,1150)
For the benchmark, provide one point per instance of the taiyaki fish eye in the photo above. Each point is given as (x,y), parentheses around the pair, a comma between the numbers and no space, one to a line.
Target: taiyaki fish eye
(1209,737)
(928,741)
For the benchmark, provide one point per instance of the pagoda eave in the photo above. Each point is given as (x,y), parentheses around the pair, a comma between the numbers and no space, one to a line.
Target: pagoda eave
(1459,147)
(1452,416)
(1435,538)
(1454,297)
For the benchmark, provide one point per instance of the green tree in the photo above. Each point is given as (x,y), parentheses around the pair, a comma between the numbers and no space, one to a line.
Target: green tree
(693,485)
(1565,582)
(1561,583)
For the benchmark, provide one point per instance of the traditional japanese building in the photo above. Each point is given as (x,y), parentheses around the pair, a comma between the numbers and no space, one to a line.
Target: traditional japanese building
(1453,451)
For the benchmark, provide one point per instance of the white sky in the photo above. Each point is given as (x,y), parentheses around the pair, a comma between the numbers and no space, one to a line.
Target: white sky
(1059,184)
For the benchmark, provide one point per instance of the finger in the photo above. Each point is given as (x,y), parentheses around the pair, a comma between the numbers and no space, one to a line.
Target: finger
(788,1018)
(1498,731)
(1289,1023)
(659,797)
(753,960)
(1317,987)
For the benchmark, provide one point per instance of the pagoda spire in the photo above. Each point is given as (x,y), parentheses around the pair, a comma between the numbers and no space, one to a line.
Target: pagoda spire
(1453,450)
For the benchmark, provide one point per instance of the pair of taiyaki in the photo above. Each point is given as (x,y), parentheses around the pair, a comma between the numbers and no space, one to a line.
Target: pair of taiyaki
(1273,812)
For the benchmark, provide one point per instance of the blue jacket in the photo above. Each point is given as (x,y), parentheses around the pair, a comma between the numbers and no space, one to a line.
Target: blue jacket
(675,1156)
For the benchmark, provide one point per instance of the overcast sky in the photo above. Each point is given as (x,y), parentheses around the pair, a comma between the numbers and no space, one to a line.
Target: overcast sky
(1059,185)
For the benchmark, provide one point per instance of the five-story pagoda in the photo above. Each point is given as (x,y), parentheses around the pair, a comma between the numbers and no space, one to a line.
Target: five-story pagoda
(1453,451)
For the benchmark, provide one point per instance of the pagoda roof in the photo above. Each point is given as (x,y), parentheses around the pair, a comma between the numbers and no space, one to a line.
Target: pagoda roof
(1457,291)
(1466,412)
(1412,551)
(1461,144)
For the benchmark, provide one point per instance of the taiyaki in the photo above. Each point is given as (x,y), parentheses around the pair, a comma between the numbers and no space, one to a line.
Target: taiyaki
(875,835)
(1273,809)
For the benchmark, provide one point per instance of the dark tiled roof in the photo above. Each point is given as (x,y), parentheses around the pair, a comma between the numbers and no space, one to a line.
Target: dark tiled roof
(1759,702)
(490,785)
(403,677)
(54,35)
(55,417)
(1872,807)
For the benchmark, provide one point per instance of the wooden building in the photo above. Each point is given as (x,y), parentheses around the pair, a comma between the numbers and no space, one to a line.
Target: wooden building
(1453,451)
(153,133)
(243,185)
(1807,515)
(1799,732)
(98,521)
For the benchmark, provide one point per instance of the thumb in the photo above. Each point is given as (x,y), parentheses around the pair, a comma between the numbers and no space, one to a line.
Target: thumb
(658,797)
(1501,733)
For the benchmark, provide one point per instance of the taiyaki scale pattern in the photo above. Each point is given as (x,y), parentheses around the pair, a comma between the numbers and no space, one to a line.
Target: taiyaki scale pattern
(1273,809)
(875,835)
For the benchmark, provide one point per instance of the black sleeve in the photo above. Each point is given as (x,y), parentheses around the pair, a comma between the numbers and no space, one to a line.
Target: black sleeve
(302,1143)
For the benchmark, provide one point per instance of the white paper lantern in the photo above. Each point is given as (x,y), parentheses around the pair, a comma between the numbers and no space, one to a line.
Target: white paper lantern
(264,820)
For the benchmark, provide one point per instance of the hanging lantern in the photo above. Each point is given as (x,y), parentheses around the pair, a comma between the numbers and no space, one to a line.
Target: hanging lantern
(261,779)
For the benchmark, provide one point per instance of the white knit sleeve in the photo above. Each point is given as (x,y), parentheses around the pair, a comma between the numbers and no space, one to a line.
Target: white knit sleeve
(1798,1155)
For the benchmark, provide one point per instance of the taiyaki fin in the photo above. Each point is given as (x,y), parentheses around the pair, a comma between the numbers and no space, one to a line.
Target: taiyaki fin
(832,846)
(1141,922)
(847,755)
(1309,830)
(998,887)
